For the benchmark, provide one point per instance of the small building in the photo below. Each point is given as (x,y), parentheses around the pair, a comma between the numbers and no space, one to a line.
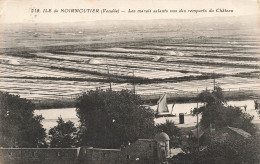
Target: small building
(219,135)
(163,146)
(230,133)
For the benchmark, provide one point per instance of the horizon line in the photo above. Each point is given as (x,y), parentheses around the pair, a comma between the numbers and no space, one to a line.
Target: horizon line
(86,21)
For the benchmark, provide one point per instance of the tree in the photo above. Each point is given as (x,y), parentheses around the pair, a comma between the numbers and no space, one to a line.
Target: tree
(63,135)
(215,111)
(172,130)
(112,118)
(216,97)
(232,151)
(19,127)
(241,151)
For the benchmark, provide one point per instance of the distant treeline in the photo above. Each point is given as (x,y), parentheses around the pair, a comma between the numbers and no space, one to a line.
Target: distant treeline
(54,103)
(118,78)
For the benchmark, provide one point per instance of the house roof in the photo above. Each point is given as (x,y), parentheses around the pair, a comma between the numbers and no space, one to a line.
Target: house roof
(162,137)
(220,134)
(240,132)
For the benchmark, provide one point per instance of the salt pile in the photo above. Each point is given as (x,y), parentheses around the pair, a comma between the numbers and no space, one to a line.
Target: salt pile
(172,53)
(12,61)
(94,61)
(156,58)
(180,54)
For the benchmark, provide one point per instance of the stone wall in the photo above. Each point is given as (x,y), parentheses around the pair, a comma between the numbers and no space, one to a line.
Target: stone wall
(38,155)
(142,151)
(99,156)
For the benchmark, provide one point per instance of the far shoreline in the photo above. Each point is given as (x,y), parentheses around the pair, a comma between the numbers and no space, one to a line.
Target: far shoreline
(151,99)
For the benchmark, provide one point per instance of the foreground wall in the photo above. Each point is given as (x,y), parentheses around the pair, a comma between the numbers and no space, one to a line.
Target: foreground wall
(99,156)
(142,151)
(38,155)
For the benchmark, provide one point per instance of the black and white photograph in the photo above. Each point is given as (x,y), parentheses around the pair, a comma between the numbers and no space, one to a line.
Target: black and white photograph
(129,82)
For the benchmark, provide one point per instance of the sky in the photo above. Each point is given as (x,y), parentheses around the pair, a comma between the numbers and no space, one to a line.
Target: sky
(22,11)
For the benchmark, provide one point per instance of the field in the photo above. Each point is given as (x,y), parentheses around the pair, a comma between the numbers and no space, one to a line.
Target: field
(180,57)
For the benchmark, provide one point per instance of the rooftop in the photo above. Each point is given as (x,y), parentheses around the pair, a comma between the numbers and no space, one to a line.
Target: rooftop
(240,132)
(161,137)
